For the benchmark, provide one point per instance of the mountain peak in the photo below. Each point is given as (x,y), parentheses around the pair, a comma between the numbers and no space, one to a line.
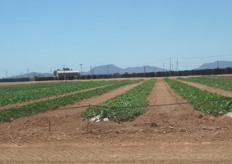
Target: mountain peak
(216,64)
(112,69)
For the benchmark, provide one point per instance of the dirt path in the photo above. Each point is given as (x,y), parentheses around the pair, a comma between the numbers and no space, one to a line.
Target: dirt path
(123,153)
(164,134)
(208,88)
(65,121)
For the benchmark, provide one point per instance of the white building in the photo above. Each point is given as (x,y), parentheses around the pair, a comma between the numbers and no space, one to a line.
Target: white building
(69,74)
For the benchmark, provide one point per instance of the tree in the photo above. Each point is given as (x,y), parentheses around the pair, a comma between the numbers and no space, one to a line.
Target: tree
(67,69)
(55,72)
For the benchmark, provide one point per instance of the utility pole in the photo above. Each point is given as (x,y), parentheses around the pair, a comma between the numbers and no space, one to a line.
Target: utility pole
(163,67)
(107,68)
(91,71)
(64,72)
(170,62)
(28,73)
(144,70)
(177,65)
(81,69)
(6,73)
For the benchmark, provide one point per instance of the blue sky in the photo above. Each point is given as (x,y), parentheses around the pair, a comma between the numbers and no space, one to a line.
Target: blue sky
(43,35)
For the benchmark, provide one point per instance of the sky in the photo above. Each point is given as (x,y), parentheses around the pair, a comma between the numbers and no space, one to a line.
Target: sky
(44,35)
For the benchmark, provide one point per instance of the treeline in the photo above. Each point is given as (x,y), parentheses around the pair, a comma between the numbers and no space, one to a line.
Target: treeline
(14,79)
(127,75)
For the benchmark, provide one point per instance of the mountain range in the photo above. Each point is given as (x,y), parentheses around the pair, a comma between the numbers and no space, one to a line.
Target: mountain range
(32,75)
(216,64)
(112,69)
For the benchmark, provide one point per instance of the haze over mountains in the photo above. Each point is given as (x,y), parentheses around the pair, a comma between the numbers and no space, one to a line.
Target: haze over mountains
(216,64)
(32,75)
(112,69)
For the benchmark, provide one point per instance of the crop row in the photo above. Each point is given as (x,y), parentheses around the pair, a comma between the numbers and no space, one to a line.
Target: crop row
(14,113)
(204,101)
(213,82)
(124,107)
(16,94)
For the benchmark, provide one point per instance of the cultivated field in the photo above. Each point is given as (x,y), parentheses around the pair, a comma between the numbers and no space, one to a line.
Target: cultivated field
(150,121)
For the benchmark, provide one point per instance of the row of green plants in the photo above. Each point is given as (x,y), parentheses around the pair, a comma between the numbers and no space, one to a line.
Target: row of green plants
(124,107)
(17,94)
(213,82)
(14,113)
(204,101)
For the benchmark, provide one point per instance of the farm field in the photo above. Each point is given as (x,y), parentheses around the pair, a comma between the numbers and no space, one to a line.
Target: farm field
(25,93)
(123,107)
(226,93)
(222,83)
(41,106)
(170,131)
(204,101)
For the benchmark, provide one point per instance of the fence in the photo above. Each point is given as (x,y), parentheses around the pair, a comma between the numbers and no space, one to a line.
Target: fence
(127,75)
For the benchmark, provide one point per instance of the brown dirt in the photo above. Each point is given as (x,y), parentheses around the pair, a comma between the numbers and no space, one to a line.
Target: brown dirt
(208,88)
(164,134)
(224,76)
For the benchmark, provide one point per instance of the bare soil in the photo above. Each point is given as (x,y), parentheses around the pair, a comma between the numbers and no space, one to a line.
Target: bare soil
(164,134)
(224,76)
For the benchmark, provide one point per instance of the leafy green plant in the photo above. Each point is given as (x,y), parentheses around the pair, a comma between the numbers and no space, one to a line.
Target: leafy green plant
(14,113)
(16,94)
(124,107)
(213,82)
(204,101)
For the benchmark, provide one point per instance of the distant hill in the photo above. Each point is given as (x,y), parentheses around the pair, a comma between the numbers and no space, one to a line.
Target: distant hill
(99,70)
(141,69)
(32,75)
(216,64)
(105,69)
(112,69)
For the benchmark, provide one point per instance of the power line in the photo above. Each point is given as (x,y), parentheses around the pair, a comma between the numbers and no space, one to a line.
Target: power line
(181,57)
(144,106)
(192,57)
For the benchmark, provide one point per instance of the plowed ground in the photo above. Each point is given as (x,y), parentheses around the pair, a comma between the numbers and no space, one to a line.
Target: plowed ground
(169,132)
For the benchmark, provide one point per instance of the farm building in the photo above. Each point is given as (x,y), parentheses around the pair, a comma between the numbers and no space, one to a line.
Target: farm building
(67,74)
